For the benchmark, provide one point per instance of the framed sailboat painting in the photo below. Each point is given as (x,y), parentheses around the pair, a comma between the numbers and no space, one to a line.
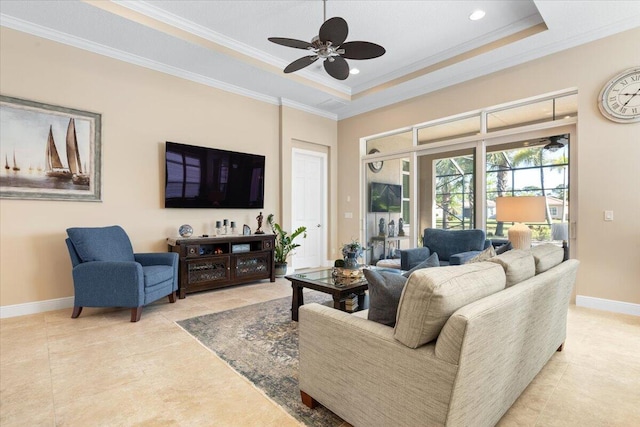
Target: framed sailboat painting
(49,152)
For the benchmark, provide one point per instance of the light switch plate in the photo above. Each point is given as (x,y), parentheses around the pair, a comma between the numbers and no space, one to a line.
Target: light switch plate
(608,215)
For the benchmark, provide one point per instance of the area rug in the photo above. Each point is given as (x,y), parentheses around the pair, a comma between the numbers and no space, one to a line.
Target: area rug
(260,341)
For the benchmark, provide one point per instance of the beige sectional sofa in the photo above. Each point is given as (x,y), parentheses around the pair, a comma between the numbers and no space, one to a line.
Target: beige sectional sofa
(467,341)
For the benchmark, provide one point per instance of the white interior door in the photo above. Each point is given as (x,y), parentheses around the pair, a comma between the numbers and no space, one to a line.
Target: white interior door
(309,202)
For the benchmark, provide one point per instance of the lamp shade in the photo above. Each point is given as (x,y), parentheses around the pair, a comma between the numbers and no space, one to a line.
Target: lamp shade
(520,209)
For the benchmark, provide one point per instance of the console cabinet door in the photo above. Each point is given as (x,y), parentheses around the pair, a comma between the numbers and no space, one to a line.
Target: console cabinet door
(253,265)
(203,271)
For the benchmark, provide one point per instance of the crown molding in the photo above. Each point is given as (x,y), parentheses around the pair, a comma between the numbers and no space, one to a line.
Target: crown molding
(302,107)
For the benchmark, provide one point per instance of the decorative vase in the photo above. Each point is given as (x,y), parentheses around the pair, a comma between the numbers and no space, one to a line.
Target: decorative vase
(350,261)
(280,269)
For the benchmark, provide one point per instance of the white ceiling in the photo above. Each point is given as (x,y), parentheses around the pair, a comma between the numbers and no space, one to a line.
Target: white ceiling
(430,44)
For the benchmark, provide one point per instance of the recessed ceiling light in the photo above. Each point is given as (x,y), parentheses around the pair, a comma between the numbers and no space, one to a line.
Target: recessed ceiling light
(354,71)
(476,15)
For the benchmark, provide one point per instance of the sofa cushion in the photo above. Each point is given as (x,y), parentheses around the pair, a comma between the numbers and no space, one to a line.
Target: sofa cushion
(101,243)
(483,256)
(518,265)
(385,289)
(547,256)
(432,295)
(432,261)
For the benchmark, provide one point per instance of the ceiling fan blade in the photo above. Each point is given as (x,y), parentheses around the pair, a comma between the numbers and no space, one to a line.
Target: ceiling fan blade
(338,69)
(299,64)
(362,50)
(298,44)
(334,30)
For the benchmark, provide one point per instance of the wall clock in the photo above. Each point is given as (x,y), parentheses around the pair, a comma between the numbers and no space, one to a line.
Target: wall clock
(619,99)
(375,166)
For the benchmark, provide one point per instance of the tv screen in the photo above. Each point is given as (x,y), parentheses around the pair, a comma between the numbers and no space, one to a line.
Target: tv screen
(201,177)
(385,197)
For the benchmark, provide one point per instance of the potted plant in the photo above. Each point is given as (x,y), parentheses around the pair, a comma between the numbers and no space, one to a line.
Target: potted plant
(351,252)
(284,244)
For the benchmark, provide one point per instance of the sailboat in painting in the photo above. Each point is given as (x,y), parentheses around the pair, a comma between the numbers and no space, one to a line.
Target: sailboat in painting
(6,163)
(73,156)
(53,164)
(15,165)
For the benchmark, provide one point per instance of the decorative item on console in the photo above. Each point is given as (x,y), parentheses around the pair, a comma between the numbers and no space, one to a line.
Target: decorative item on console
(185,230)
(259,218)
(246,230)
(382,228)
(392,228)
(400,227)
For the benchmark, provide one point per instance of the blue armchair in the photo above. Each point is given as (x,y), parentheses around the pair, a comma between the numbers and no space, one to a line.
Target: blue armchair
(106,272)
(454,247)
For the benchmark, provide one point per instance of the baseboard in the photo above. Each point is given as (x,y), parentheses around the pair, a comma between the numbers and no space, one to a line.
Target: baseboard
(35,307)
(608,305)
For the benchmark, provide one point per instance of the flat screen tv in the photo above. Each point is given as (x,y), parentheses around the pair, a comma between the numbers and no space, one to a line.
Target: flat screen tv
(201,177)
(385,197)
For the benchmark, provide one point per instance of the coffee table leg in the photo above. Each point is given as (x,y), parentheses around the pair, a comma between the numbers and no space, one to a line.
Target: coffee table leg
(296,301)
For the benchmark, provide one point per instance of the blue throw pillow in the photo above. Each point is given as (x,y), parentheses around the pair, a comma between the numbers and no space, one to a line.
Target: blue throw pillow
(385,290)
(432,261)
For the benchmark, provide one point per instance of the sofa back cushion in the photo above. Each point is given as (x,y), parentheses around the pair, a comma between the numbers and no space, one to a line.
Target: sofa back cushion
(101,243)
(547,256)
(450,242)
(518,265)
(432,295)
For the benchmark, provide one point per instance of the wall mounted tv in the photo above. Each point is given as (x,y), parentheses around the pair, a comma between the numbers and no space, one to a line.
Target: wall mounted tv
(201,177)
(385,197)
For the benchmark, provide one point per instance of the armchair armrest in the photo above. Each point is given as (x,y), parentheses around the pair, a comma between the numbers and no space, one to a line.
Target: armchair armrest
(462,257)
(409,258)
(157,258)
(108,284)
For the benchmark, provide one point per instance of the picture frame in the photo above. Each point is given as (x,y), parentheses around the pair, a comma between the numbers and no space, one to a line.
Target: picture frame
(49,152)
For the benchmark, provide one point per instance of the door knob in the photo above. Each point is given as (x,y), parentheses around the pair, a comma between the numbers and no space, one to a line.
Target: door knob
(318,226)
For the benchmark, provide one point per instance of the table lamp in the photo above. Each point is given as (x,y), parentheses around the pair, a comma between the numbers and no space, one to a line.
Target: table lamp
(519,210)
(560,231)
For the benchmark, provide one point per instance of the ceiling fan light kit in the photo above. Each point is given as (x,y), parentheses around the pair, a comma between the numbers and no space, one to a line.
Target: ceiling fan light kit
(330,45)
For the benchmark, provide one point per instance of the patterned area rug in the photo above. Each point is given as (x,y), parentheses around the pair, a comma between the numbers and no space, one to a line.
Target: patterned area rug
(260,342)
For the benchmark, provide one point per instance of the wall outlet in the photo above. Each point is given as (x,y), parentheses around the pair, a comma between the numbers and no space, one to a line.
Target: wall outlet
(348,215)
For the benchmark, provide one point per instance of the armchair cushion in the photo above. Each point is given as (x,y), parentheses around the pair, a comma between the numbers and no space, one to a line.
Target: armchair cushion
(154,274)
(101,244)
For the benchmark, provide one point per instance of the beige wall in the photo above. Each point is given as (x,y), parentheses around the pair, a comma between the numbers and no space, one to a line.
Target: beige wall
(141,109)
(607,161)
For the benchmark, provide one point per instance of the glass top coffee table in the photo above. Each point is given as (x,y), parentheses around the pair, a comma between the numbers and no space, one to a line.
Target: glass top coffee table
(339,288)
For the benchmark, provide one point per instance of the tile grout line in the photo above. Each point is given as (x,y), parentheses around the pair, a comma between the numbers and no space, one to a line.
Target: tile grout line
(551,394)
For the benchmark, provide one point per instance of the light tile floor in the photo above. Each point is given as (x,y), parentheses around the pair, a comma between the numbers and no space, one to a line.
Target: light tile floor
(102,370)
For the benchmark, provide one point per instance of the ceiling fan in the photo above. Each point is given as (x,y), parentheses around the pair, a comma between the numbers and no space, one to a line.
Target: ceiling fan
(329,45)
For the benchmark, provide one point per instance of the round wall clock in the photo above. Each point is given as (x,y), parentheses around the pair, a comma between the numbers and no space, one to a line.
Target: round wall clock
(375,166)
(619,99)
